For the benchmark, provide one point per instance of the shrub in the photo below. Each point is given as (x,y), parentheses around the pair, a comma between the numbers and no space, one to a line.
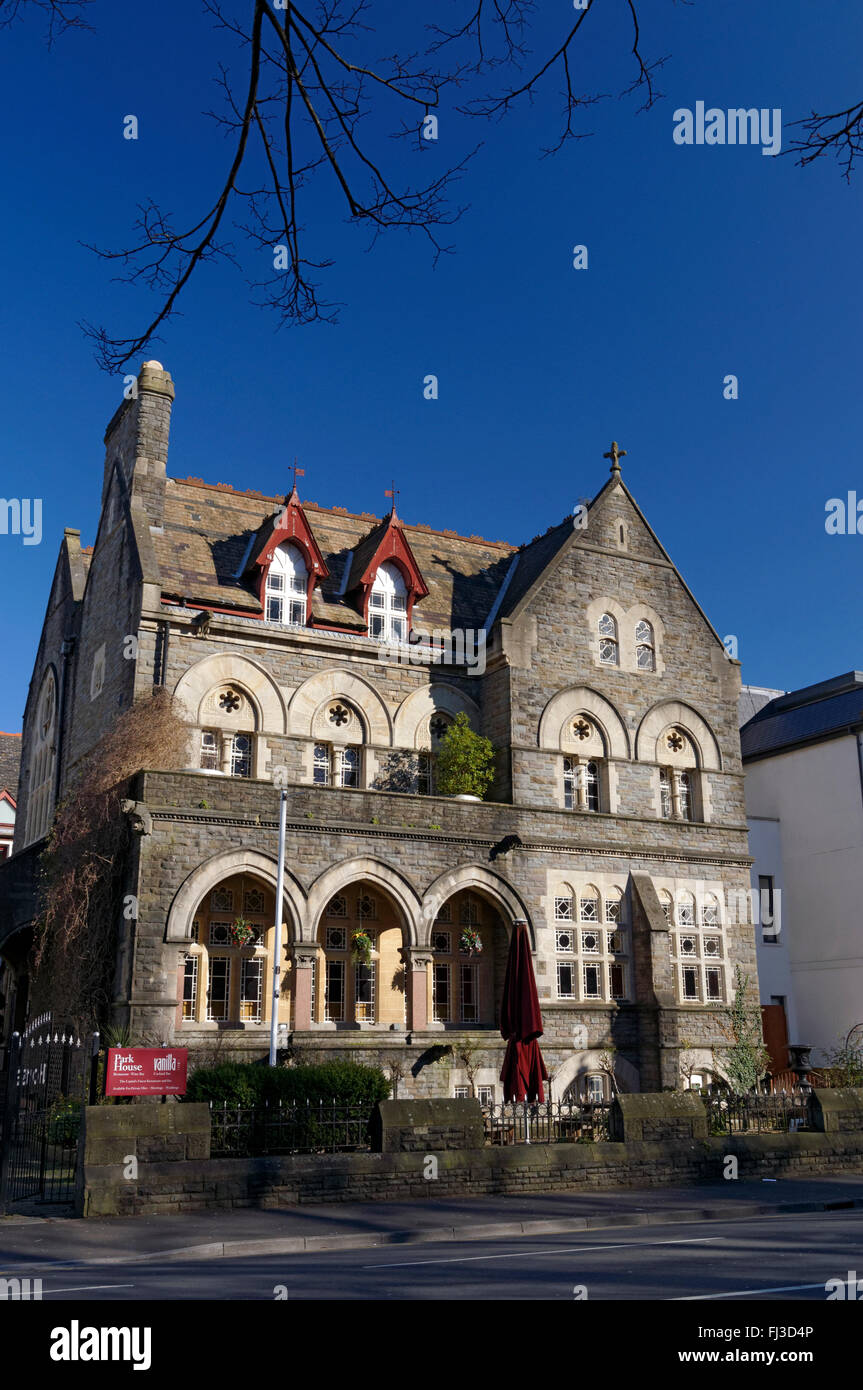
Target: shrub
(244,1084)
(464,762)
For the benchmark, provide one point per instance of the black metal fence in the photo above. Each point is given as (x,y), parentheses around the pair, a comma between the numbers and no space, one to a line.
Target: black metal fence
(46,1079)
(779,1112)
(546,1122)
(305,1128)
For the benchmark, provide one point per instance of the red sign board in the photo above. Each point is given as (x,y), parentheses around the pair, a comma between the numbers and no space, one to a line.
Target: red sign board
(146,1071)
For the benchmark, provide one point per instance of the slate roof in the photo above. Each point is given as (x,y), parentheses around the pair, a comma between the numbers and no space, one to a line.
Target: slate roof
(10,761)
(805,716)
(203,548)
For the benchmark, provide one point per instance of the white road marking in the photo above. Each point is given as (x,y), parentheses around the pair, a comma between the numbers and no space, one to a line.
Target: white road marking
(571,1250)
(746,1293)
(88,1288)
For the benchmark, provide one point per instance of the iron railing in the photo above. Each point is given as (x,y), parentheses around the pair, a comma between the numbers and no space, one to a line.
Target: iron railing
(776,1113)
(546,1122)
(305,1128)
(47,1076)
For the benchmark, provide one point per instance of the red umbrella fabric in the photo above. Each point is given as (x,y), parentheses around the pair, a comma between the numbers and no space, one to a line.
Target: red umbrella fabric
(521,1023)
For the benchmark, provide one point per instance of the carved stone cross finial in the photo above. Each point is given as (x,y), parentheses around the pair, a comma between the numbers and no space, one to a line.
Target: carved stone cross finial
(615,455)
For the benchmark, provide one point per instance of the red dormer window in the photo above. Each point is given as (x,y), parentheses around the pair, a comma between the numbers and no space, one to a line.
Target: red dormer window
(388,604)
(286,593)
(285,564)
(389,582)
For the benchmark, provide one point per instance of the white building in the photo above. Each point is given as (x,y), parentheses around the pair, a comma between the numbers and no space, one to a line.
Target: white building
(803,762)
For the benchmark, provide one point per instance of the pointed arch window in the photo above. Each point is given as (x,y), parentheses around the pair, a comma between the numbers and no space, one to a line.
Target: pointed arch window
(388,605)
(40,799)
(287,588)
(609,649)
(645,646)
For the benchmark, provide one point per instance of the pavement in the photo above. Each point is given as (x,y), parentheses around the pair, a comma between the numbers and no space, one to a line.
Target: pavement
(31,1241)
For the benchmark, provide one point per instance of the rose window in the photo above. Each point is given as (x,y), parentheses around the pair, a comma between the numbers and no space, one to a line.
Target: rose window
(581,728)
(676,742)
(229,701)
(338,715)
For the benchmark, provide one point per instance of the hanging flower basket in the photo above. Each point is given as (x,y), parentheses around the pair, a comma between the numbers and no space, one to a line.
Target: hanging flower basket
(242,934)
(470,942)
(361,944)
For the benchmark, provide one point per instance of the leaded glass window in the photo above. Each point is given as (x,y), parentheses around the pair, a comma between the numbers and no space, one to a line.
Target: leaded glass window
(645,654)
(608,644)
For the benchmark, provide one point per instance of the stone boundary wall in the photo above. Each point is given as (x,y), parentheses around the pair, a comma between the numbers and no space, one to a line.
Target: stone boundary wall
(190,1185)
(426,1126)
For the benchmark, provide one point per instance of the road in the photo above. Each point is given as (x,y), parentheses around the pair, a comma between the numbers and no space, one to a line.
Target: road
(786,1257)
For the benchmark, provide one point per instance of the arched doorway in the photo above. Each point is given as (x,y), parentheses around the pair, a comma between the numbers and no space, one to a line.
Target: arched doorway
(361,976)
(226,974)
(470,944)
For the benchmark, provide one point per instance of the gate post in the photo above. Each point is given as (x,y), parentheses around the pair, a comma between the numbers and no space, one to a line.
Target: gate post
(10,1117)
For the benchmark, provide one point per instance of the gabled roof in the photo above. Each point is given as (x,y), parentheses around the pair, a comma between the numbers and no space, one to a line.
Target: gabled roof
(811,715)
(10,763)
(544,552)
(285,525)
(386,541)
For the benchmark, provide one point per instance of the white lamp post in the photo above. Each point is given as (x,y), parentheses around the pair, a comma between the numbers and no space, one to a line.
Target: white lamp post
(280,778)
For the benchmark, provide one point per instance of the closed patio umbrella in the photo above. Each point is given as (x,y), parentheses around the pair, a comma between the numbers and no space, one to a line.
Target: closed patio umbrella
(521,1024)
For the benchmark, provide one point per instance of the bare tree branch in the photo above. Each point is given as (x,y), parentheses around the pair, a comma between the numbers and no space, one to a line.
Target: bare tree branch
(840,134)
(314,106)
(61,15)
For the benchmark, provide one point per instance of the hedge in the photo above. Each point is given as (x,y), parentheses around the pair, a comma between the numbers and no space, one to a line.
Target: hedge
(249,1084)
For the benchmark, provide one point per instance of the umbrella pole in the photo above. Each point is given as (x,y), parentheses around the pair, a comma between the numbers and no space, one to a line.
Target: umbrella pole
(526,1122)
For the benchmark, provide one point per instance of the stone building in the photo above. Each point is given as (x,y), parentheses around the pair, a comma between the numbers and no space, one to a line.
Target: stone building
(615,826)
(10,759)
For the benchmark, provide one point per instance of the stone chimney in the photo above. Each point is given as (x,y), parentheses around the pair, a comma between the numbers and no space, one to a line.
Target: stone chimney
(136,440)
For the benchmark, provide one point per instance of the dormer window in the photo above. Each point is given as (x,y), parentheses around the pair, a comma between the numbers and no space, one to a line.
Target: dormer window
(287,588)
(388,605)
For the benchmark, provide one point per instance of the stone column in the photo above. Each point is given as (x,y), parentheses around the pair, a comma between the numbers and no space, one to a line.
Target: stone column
(304,956)
(417,961)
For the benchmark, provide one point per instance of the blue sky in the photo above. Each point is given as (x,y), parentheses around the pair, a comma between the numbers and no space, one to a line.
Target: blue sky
(703,261)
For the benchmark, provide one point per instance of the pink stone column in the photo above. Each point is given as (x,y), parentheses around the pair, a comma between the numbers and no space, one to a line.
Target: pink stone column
(304,961)
(417,965)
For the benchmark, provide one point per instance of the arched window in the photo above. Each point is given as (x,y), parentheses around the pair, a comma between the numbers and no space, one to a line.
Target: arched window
(287,587)
(339,763)
(438,725)
(609,651)
(581,785)
(388,605)
(665,798)
(645,646)
(591,786)
(225,970)
(685,792)
(362,979)
(666,902)
(40,799)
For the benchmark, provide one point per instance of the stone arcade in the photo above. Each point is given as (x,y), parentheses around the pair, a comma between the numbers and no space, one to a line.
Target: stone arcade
(615,827)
